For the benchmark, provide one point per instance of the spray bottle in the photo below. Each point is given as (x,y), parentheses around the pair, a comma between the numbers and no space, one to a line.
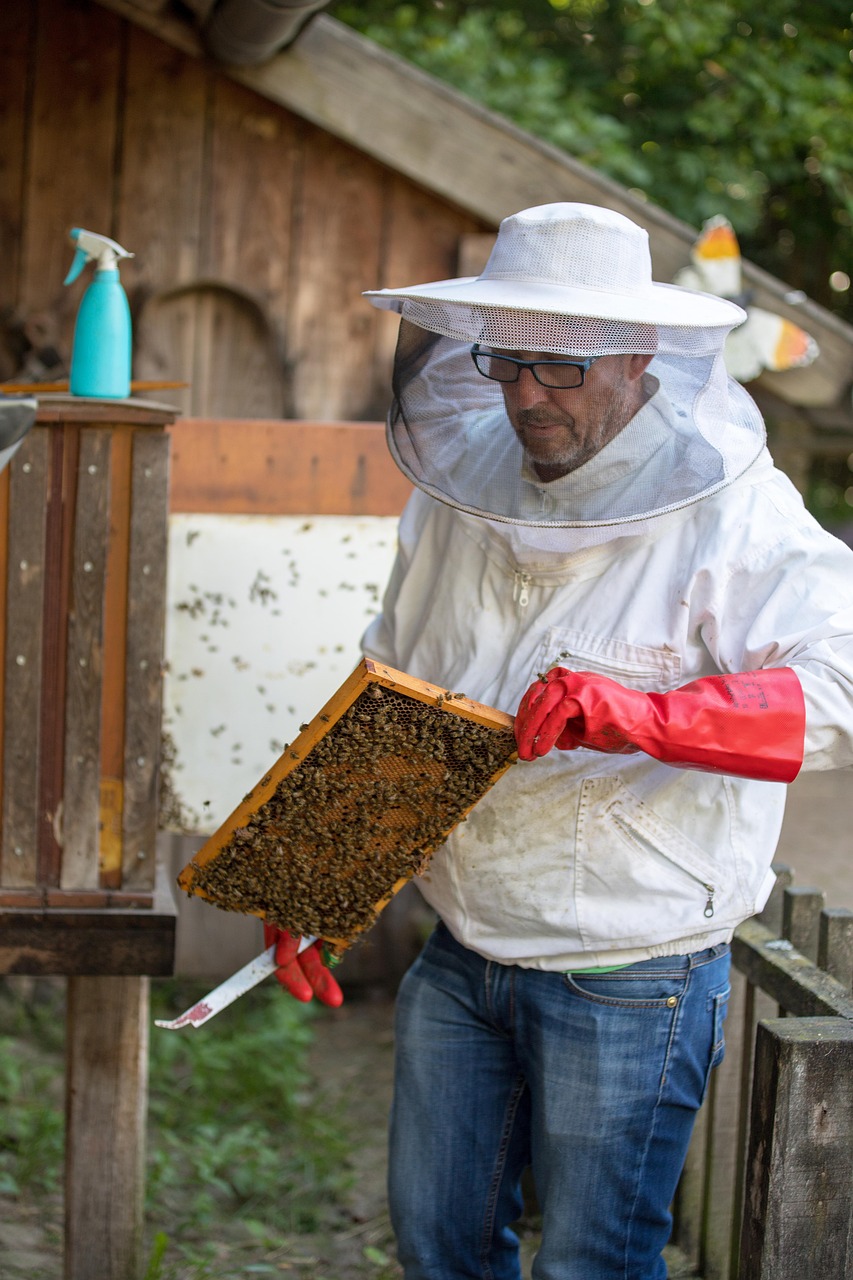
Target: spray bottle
(100,359)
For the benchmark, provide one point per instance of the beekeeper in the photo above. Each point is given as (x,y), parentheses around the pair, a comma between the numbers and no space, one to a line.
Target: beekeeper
(599,542)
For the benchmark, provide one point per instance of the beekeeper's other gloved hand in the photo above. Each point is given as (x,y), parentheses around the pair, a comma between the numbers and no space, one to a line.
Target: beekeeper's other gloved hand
(304,975)
(751,724)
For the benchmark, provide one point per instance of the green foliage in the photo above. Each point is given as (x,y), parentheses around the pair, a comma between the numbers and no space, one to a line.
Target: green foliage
(245,1151)
(31,1133)
(830,493)
(32,1126)
(716,108)
(154,1270)
(235,1128)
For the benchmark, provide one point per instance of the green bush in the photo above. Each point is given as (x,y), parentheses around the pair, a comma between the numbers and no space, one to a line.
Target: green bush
(235,1124)
(243,1147)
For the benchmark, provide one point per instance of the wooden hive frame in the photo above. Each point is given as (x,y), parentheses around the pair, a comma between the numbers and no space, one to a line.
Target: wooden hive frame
(355,806)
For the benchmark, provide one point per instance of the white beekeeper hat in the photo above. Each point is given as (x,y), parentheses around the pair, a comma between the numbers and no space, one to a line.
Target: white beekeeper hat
(573,281)
(563,260)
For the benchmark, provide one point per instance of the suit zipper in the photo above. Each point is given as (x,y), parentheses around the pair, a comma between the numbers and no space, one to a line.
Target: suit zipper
(520,592)
(710,889)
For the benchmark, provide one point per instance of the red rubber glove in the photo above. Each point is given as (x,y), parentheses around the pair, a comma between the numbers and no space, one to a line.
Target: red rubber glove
(751,724)
(304,975)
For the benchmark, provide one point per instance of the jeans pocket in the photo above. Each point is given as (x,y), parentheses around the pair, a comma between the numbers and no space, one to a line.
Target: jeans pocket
(718,1002)
(648,985)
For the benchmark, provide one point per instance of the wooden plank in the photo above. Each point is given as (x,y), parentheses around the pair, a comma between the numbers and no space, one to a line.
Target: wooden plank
(249,240)
(79,48)
(68,899)
(146,615)
(106,1106)
(799,1196)
(16,40)
(233,356)
(835,944)
(115,658)
(801,910)
(790,978)
(60,407)
(231,329)
(284,468)
(19,898)
(163,133)
(24,624)
(4,570)
(81,793)
(62,485)
(336,256)
(102,940)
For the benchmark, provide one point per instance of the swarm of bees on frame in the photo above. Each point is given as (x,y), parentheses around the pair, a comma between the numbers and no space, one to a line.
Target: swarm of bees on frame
(363,810)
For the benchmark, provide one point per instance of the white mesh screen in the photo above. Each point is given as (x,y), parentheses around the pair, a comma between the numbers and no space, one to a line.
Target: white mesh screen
(638,440)
(581,336)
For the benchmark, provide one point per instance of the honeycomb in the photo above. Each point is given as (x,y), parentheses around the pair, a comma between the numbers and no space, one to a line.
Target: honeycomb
(355,806)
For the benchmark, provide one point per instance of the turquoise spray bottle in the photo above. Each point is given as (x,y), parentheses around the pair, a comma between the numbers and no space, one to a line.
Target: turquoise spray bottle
(100,359)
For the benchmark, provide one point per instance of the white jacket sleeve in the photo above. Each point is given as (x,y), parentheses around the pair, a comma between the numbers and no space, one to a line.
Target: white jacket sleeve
(789,603)
(379,640)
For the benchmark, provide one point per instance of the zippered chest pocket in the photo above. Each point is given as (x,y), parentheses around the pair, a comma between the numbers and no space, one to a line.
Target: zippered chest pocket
(638,878)
(651,670)
(643,667)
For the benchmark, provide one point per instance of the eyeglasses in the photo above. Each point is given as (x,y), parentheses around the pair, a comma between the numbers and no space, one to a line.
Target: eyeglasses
(564,374)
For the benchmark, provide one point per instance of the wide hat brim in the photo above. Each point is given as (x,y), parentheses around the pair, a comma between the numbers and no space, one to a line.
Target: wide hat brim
(658,304)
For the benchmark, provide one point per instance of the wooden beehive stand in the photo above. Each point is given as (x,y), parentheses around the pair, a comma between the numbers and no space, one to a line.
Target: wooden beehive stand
(83,541)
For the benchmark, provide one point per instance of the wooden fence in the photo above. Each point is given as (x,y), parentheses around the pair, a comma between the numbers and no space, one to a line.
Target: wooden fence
(767,1192)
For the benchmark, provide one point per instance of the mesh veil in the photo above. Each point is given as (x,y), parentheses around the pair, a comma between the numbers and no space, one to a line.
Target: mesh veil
(632,449)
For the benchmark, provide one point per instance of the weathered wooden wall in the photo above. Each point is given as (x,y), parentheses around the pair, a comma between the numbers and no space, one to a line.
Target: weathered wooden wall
(254,231)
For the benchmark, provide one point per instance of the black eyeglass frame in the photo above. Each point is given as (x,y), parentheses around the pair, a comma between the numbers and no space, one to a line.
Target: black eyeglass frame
(581,365)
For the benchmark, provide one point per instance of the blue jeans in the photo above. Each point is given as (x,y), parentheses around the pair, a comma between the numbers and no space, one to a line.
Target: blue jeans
(592,1080)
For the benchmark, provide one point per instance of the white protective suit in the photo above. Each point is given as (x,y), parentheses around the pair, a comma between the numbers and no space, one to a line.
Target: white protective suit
(582,859)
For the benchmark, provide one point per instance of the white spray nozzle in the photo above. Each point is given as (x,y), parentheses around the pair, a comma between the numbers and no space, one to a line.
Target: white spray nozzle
(94,248)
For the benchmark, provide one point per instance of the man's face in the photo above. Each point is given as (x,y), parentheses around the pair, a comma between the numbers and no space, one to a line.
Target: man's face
(562,429)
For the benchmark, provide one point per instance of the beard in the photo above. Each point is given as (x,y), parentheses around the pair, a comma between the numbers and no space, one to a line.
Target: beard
(556,442)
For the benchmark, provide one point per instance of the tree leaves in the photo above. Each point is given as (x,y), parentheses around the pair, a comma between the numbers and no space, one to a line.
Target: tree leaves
(705,109)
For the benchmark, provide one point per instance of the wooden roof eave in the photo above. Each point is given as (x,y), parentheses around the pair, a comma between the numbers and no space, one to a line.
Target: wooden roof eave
(484,164)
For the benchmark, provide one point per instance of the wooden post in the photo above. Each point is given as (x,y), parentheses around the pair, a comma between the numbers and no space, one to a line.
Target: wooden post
(801,910)
(771,916)
(835,944)
(799,1193)
(106,1105)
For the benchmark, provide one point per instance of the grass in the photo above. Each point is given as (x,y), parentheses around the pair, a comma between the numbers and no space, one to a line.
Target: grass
(31,1086)
(248,1157)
